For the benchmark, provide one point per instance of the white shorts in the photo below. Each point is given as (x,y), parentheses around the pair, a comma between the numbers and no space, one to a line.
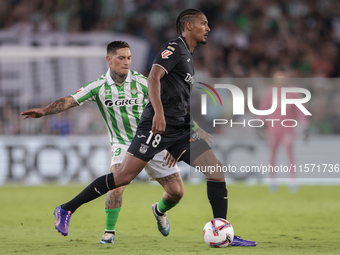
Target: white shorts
(155,168)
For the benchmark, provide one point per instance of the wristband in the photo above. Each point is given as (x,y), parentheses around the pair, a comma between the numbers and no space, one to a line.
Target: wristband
(195,126)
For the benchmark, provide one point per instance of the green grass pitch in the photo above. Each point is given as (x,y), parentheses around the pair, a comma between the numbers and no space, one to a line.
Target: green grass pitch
(306,222)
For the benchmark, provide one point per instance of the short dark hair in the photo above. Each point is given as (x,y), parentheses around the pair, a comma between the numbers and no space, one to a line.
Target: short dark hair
(183,18)
(112,47)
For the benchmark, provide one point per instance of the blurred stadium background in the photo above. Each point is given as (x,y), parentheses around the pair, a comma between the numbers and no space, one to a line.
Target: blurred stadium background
(49,49)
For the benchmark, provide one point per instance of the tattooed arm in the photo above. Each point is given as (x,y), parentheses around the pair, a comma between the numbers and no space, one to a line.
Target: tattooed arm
(57,106)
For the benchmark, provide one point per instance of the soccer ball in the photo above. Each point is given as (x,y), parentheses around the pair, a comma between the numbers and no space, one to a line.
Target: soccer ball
(218,233)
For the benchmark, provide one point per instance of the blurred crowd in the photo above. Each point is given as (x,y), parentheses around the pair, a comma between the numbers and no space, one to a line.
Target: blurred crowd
(248,38)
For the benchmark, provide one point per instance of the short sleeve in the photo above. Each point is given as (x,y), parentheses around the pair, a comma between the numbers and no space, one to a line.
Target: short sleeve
(86,93)
(168,56)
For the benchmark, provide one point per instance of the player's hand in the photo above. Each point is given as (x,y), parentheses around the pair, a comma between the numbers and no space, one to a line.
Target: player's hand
(206,136)
(158,124)
(170,161)
(33,113)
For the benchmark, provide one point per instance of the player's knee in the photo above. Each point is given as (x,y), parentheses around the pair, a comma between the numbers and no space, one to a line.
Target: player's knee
(126,180)
(122,179)
(177,193)
(180,194)
(208,158)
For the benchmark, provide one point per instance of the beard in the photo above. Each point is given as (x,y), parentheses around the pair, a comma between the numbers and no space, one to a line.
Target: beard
(202,42)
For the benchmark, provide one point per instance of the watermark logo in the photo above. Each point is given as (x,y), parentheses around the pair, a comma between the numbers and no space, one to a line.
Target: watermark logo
(239,103)
(204,97)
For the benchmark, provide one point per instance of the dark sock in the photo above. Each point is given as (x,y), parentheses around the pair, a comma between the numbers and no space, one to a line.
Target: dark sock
(158,212)
(110,232)
(97,188)
(218,198)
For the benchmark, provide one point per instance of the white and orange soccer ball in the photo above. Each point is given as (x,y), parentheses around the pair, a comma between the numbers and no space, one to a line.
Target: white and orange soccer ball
(218,233)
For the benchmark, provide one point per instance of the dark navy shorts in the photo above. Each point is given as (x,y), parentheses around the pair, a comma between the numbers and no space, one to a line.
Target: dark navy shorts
(181,141)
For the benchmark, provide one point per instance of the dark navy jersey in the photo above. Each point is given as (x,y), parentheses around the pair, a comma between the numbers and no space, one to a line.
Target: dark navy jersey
(176,59)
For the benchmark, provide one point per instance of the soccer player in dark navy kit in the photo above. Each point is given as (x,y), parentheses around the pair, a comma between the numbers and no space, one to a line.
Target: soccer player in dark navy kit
(166,124)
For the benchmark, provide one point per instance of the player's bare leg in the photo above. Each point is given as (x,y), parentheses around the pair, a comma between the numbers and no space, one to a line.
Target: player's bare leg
(113,204)
(173,192)
(173,187)
(208,158)
(131,167)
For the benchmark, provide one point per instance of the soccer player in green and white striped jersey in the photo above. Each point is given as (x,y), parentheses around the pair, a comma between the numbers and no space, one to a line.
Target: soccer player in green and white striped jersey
(121,95)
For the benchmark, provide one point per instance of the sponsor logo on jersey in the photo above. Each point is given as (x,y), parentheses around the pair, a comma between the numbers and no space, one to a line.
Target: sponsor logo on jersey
(171,48)
(189,79)
(123,102)
(172,43)
(188,59)
(166,54)
(143,148)
(108,103)
(132,101)
(108,92)
(140,136)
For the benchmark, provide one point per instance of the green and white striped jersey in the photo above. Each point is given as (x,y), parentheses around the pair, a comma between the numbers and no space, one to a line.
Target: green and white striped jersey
(121,106)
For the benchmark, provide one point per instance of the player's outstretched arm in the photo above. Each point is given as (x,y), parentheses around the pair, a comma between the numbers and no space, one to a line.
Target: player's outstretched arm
(154,86)
(57,106)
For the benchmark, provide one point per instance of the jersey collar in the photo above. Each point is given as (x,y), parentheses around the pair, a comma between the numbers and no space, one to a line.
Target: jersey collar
(185,43)
(110,81)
